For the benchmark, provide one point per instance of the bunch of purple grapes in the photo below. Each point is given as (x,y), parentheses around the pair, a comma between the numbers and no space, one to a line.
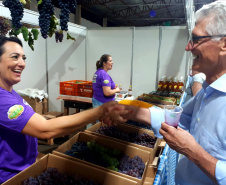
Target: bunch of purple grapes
(53,176)
(142,139)
(133,167)
(145,140)
(16,11)
(4,26)
(137,124)
(66,7)
(113,131)
(59,35)
(46,10)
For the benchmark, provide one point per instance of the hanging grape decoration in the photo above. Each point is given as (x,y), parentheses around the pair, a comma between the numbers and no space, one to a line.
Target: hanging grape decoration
(16,11)
(4,26)
(46,10)
(66,7)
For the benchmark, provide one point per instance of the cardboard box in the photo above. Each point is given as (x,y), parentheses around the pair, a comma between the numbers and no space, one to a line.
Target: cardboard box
(40,107)
(70,167)
(108,143)
(150,175)
(129,129)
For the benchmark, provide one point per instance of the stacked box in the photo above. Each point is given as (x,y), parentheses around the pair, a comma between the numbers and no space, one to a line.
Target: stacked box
(129,129)
(40,107)
(69,167)
(75,87)
(131,151)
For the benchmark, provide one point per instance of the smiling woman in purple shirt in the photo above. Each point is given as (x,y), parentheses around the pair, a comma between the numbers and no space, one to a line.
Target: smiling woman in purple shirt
(104,88)
(20,126)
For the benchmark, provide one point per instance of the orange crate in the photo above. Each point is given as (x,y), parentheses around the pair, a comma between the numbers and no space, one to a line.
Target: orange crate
(71,87)
(86,89)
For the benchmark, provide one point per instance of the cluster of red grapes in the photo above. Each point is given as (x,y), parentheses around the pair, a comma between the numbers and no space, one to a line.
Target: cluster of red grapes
(137,124)
(16,11)
(53,176)
(142,139)
(4,26)
(107,157)
(46,10)
(133,167)
(66,7)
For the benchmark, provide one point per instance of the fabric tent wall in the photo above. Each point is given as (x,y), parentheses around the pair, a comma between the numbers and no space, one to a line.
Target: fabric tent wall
(141,55)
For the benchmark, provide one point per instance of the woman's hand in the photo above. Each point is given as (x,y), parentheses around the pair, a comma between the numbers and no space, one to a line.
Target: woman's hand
(112,113)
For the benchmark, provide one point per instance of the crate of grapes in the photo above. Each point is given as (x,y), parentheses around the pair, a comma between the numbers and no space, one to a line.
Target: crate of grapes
(52,169)
(72,87)
(129,135)
(109,155)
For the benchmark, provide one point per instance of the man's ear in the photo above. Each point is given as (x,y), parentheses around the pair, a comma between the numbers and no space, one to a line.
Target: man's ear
(223,45)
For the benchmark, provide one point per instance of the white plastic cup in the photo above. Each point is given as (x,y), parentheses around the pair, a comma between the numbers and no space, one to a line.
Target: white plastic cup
(172,114)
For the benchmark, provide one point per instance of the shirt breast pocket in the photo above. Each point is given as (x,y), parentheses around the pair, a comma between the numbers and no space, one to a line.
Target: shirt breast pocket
(212,145)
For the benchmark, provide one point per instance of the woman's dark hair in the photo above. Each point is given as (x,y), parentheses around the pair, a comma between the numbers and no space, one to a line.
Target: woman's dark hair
(103,59)
(3,40)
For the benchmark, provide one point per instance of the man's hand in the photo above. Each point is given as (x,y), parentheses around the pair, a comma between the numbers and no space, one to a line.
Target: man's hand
(112,113)
(178,139)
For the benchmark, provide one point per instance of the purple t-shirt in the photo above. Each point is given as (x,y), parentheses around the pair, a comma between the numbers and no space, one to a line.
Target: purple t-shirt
(17,151)
(102,78)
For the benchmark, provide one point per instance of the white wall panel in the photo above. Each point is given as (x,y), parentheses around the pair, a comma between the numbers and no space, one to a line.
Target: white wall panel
(146,47)
(114,41)
(66,61)
(34,74)
(172,52)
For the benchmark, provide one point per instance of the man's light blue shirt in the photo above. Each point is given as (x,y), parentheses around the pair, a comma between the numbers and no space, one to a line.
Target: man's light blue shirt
(204,116)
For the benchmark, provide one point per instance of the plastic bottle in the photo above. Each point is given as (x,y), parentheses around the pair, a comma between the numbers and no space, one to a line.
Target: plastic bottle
(130,91)
(166,84)
(175,84)
(120,87)
(169,84)
(181,84)
(161,83)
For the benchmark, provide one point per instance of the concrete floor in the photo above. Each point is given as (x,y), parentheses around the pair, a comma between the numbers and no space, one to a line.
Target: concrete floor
(45,149)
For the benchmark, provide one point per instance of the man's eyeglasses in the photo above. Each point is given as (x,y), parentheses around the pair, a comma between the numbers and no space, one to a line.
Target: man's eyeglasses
(195,39)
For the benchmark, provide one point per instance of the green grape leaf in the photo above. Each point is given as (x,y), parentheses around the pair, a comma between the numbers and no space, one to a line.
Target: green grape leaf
(31,41)
(53,25)
(39,2)
(70,37)
(14,32)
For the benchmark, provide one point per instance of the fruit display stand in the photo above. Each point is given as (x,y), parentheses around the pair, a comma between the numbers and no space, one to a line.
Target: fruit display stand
(127,129)
(130,151)
(67,166)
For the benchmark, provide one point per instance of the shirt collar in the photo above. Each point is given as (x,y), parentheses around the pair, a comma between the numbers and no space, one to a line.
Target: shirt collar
(219,84)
